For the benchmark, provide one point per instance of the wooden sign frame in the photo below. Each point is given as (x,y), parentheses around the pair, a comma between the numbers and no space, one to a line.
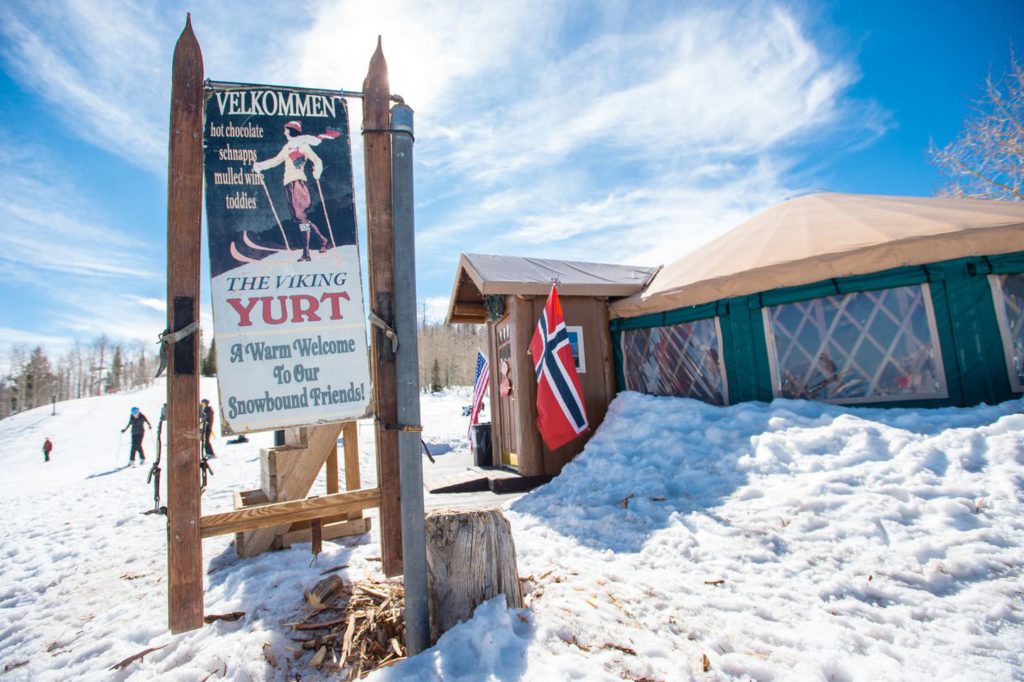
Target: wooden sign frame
(186,527)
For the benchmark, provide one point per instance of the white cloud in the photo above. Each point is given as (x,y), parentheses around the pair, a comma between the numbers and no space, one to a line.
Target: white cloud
(157,304)
(19,337)
(434,308)
(47,223)
(99,66)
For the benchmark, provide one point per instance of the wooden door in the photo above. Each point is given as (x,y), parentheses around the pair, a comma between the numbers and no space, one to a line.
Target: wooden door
(505,393)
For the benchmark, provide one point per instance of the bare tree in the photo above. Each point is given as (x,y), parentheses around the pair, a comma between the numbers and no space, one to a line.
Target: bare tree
(987,160)
(29,378)
(448,353)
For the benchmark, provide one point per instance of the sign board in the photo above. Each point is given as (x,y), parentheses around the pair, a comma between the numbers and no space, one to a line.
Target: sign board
(576,344)
(284,262)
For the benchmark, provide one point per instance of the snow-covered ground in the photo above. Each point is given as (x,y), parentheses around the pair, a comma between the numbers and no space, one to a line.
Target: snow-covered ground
(784,541)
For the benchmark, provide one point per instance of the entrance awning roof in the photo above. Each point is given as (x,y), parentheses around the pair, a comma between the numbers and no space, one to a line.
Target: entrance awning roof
(482,275)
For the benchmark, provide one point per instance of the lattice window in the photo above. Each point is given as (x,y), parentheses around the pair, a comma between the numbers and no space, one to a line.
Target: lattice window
(870,346)
(679,359)
(1008,295)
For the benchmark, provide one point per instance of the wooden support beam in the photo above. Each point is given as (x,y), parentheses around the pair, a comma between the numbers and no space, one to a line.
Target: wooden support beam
(281,513)
(331,531)
(184,215)
(380,259)
(294,472)
(332,470)
(350,444)
(470,310)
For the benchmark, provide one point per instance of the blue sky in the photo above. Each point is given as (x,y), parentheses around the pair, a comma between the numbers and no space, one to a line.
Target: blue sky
(603,131)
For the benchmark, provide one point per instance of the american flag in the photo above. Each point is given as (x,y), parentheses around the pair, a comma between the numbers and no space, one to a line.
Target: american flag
(481,381)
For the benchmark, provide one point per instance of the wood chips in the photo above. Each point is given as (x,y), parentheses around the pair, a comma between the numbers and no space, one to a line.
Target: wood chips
(364,623)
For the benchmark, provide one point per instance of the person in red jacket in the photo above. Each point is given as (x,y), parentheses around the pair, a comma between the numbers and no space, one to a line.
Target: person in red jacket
(47,447)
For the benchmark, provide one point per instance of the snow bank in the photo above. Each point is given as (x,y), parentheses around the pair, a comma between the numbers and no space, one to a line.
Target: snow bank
(792,540)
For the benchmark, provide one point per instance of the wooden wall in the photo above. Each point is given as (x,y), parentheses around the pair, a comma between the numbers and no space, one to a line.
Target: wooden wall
(597,382)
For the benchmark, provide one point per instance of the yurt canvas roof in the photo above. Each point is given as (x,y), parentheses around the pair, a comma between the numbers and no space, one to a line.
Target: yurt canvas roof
(480,275)
(822,236)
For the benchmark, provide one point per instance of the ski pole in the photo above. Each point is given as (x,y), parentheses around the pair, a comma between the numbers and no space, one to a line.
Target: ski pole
(274,210)
(117,453)
(326,217)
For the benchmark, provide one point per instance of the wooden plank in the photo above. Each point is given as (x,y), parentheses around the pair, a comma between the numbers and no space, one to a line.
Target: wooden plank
(380,259)
(296,471)
(350,444)
(476,311)
(184,215)
(331,531)
(332,469)
(279,514)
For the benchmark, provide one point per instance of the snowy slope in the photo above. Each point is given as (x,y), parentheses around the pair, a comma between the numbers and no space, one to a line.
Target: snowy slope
(783,541)
(82,570)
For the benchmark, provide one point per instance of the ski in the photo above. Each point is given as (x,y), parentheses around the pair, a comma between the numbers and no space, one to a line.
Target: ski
(240,257)
(259,247)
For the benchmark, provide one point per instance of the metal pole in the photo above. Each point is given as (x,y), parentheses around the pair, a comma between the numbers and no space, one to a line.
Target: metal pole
(417,617)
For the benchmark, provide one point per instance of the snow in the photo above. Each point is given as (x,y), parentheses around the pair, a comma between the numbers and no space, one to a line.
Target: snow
(790,540)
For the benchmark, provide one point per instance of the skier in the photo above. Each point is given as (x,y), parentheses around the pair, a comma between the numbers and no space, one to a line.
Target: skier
(296,150)
(206,425)
(47,446)
(137,421)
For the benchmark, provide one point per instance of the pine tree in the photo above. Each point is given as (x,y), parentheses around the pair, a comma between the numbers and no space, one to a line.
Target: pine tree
(208,368)
(115,376)
(436,383)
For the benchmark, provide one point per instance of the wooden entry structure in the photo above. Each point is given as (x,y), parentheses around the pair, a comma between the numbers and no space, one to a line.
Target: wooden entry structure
(508,293)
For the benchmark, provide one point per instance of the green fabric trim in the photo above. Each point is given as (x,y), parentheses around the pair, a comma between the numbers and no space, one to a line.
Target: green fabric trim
(965,321)
(745,353)
(676,316)
(620,376)
(887,279)
(1006,263)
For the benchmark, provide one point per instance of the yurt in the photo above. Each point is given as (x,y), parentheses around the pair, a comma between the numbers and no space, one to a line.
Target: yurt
(841,298)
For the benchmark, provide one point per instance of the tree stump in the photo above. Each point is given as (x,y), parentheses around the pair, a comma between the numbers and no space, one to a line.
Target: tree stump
(470,558)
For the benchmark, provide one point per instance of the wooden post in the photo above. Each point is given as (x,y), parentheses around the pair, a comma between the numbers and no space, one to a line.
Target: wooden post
(380,259)
(184,216)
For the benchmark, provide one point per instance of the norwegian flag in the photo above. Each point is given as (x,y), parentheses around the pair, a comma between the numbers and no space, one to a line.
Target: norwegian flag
(561,415)
(480,383)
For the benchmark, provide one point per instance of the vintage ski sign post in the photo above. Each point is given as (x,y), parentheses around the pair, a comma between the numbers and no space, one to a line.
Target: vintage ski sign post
(284,262)
(289,319)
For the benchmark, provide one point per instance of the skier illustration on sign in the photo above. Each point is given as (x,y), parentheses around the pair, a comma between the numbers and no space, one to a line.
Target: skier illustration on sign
(137,421)
(298,149)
